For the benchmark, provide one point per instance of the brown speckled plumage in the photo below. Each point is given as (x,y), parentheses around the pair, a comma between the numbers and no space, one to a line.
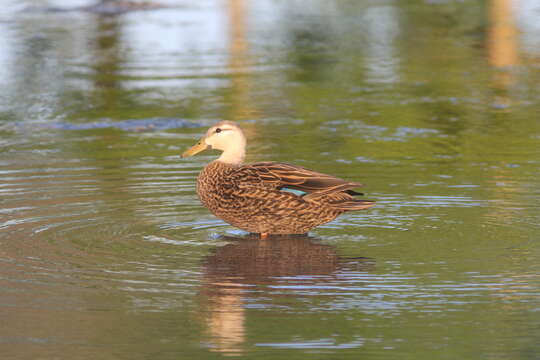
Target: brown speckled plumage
(254,197)
(249,197)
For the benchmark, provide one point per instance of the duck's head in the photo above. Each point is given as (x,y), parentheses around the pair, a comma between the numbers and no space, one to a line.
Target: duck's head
(225,136)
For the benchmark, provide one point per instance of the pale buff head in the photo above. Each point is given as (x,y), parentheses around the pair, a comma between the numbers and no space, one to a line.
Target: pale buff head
(225,136)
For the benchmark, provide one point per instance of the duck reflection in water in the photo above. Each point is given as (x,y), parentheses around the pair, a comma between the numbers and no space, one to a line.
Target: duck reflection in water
(249,264)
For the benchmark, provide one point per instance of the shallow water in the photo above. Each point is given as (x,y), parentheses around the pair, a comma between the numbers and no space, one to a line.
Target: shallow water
(105,251)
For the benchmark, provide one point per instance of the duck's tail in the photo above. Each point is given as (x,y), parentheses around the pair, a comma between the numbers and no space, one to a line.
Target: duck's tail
(344,201)
(353,204)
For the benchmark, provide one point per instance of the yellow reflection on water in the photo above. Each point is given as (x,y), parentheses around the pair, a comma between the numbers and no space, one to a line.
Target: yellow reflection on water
(502,42)
(502,46)
(239,62)
(226,324)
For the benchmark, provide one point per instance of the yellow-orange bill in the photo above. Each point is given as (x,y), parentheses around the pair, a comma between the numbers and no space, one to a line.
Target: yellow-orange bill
(195,149)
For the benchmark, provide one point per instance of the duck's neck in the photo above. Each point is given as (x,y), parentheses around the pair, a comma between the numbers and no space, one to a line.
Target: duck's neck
(234,155)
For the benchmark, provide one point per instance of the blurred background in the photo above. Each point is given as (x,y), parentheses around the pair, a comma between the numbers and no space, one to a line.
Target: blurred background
(105,251)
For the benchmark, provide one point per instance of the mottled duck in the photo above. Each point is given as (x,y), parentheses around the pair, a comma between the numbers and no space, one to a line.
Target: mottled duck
(267,197)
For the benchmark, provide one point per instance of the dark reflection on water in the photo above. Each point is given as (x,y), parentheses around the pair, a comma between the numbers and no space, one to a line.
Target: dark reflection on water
(235,273)
(253,260)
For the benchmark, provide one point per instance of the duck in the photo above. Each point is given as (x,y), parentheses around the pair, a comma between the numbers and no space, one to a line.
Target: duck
(267,198)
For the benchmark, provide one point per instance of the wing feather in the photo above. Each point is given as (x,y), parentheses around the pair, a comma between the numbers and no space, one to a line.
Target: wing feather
(282,175)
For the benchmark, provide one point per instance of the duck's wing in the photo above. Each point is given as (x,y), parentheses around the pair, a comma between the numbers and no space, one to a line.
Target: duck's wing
(286,176)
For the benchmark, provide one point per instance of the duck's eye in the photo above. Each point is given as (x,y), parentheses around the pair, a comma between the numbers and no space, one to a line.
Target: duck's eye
(218,130)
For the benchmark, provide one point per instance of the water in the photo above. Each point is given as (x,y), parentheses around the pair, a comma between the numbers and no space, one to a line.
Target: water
(105,251)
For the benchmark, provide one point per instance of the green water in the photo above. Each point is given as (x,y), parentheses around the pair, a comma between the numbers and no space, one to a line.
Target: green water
(106,253)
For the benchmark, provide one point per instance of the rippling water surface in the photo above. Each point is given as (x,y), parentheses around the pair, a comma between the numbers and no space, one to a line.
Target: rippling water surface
(106,253)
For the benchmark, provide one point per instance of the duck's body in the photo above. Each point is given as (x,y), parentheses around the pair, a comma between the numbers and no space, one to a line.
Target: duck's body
(268,197)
